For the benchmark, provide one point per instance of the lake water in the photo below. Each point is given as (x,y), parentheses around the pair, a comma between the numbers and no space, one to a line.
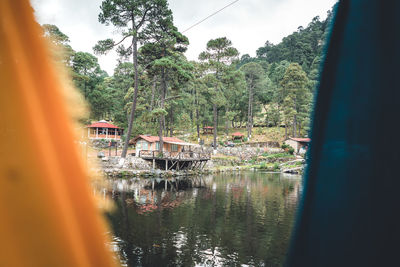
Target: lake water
(233,219)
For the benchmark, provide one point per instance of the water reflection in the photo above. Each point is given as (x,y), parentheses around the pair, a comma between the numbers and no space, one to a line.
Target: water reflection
(239,219)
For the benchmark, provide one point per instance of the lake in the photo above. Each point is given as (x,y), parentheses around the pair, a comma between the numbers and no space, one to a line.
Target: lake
(230,219)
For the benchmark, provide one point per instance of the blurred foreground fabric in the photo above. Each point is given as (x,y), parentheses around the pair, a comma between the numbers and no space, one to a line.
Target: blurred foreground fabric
(47,214)
(349,214)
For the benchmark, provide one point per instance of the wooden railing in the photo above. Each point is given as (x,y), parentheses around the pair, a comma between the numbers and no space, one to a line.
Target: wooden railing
(103,136)
(188,155)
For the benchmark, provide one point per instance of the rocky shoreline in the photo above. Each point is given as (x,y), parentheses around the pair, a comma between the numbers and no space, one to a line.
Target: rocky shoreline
(112,167)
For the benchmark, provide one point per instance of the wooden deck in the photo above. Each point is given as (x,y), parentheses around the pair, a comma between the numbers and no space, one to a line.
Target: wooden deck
(176,160)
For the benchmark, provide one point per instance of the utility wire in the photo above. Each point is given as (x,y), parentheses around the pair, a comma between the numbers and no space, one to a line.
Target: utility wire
(209,16)
(194,25)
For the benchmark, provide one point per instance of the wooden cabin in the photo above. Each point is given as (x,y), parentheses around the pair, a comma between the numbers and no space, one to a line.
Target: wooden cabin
(208,130)
(148,143)
(300,145)
(104,130)
(237,136)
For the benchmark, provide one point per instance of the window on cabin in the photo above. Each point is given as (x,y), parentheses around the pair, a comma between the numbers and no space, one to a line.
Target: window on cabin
(145,145)
(157,145)
(174,147)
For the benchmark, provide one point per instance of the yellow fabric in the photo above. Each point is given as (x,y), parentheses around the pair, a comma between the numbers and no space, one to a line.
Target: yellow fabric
(47,214)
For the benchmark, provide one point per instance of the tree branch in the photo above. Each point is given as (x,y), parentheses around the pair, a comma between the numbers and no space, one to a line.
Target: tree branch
(143,18)
(172,97)
(123,39)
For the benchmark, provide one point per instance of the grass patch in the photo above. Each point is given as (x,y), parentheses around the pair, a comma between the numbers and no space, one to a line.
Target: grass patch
(267,166)
(292,165)
(277,155)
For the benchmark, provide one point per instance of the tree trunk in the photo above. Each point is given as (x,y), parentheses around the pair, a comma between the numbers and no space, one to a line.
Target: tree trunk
(298,134)
(171,122)
(132,116)
(227,121)
(153,92)
(160,134)
(197,115)
(198,123)
(294,126)
(215,126)
(249,112)
(162,117)
(286,137)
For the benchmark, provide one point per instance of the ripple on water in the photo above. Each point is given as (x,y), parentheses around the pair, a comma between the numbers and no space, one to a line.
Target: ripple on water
(241,219)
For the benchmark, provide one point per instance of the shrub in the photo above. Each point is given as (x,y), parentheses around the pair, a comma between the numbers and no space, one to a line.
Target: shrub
(245,139)
(276,166)
(285,146)
(263,165)
(291,150)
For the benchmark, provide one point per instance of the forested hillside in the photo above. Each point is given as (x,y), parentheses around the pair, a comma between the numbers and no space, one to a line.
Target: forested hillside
(173,94)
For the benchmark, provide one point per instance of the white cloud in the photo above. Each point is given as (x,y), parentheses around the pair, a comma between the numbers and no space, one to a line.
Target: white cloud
(247,23)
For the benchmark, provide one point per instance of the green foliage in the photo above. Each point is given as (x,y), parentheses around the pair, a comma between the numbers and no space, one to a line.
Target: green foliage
(285,146)
(275,87)
(301,46)
(277,155)
(276,166)
(158,112)
(263,165)
(272,116)
(289,150)
(296,96)
(61,50)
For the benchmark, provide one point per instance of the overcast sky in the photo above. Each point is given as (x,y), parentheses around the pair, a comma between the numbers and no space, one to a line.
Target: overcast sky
(247,23)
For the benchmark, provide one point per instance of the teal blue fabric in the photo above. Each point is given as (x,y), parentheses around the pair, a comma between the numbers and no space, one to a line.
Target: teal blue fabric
(349,214)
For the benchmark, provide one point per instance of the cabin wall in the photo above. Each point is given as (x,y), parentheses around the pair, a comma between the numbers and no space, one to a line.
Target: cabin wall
(293,144)
(142,144)
(93,133)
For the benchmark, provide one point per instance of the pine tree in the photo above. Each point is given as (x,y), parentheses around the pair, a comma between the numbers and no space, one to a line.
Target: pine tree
(219,54)
(131,17)
(294,90)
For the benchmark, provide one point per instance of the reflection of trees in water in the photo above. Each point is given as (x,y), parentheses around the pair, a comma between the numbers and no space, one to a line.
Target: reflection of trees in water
(244,218)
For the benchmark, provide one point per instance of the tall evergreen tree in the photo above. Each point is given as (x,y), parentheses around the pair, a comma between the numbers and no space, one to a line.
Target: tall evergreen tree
(61,50)
(296,97)
(254,75)
(165,56)
(219,54)
(131,17)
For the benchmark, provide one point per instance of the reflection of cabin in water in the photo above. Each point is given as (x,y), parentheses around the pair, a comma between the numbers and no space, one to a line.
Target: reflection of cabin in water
(176,154)
(104,130)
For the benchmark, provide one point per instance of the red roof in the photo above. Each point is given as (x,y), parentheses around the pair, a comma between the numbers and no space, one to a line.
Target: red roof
(101,124)
(237,134)
(301,140)
(152,139)
(208,127)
